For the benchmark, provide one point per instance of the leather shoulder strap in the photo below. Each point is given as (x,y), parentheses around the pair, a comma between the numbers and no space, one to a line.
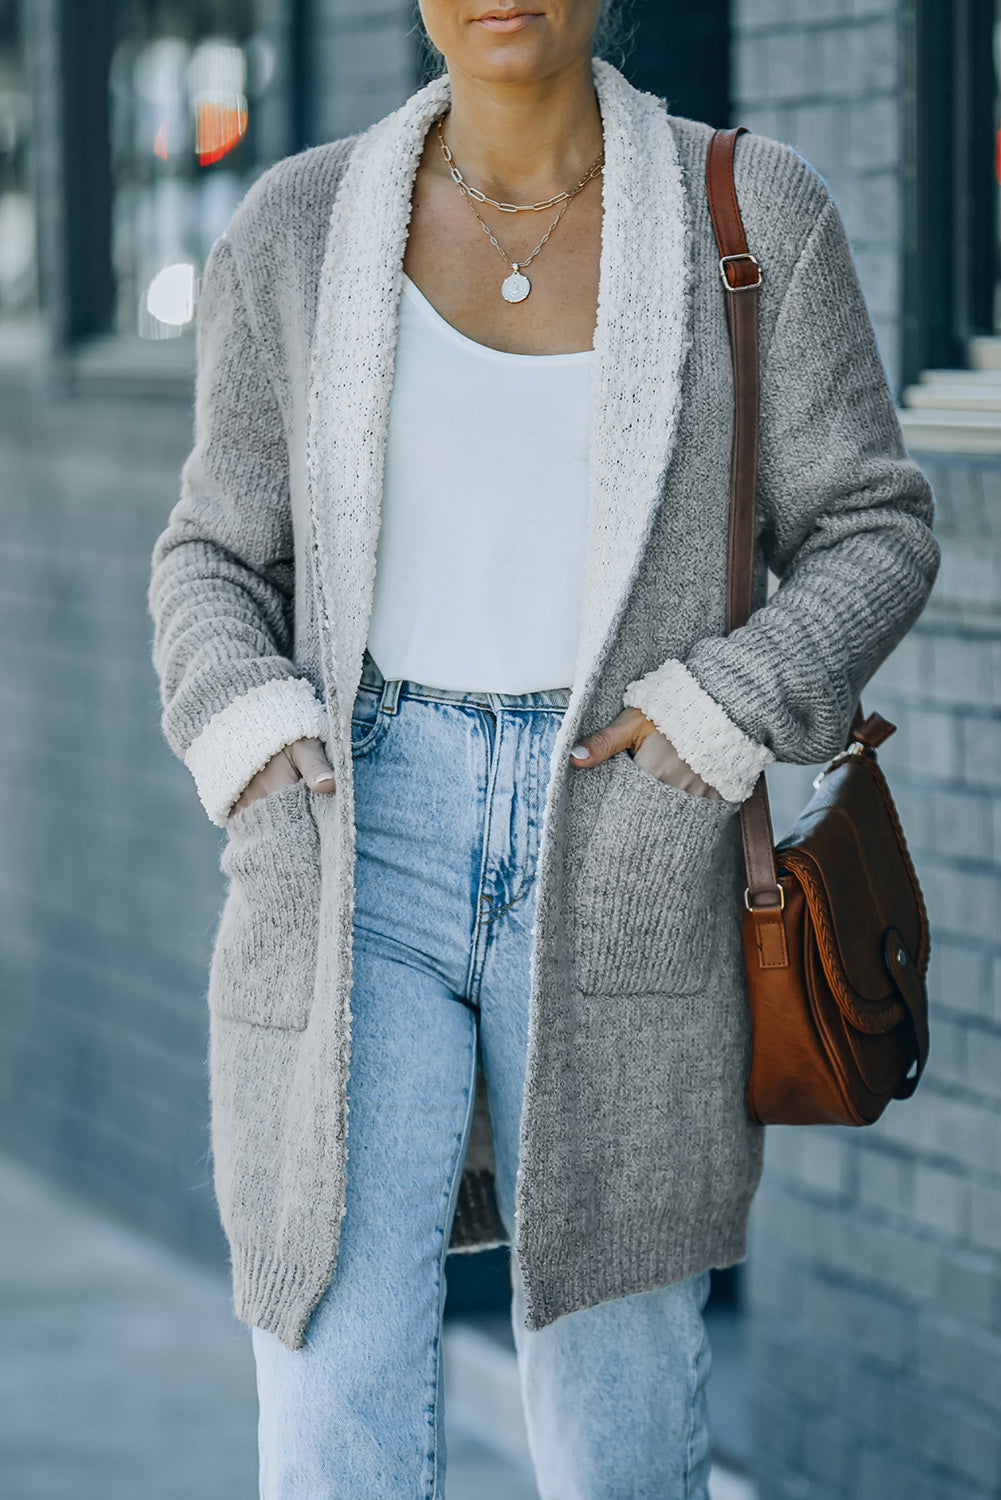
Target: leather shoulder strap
(741,276)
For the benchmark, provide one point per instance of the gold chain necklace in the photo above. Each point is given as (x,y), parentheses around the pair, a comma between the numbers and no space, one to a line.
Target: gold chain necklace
(512,208)
(516,287)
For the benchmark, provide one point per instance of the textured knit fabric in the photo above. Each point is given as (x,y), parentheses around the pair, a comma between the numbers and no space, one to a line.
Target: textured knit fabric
(480,562)
(638,1159)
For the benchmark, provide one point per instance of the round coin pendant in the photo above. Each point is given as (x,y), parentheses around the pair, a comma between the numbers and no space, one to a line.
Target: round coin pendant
(516,287)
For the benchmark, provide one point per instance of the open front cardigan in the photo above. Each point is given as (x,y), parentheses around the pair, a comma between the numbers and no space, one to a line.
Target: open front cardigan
(638,1159)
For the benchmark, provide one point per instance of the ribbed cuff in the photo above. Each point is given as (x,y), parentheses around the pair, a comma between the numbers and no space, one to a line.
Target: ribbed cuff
(239,741)
(268,1293)
(710,742)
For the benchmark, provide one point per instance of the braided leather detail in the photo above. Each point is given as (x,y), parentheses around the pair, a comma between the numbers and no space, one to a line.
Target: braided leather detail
(924,943)
(877,1018)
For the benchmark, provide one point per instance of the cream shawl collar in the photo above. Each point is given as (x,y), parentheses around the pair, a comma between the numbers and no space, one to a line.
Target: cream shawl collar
(641,338)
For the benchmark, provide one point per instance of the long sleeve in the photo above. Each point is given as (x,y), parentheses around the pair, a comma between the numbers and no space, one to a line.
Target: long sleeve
(845,524)
(222,583)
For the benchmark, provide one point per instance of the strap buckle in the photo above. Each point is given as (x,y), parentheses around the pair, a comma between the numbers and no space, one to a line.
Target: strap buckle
(743,255)
(782,900)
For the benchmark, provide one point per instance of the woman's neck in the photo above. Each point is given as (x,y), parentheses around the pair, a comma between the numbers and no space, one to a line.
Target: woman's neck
(523,142)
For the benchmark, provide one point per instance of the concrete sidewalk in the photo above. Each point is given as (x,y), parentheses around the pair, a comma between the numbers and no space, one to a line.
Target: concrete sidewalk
(124,1375)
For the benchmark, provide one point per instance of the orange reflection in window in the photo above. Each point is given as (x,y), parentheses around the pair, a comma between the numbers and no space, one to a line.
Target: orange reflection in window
(218,128)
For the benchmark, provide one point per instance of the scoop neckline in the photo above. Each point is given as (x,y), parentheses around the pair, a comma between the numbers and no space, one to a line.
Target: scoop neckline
(413,291)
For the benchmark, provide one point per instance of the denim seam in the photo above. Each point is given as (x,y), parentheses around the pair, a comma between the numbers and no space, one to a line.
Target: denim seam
(436,1491)
(488,823)
(374,735)
(532,800)
(691,1406)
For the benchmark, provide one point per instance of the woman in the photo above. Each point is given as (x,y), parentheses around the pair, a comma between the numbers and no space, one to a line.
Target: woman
(440,624)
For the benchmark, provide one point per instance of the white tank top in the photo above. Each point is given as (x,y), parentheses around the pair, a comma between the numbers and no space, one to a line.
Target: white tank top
(480,556)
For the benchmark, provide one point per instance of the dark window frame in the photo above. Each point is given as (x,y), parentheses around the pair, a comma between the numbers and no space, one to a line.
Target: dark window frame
(951,249)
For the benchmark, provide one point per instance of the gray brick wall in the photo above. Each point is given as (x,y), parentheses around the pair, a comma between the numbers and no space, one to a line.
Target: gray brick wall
(827,76)
(109,882)
(874,1279)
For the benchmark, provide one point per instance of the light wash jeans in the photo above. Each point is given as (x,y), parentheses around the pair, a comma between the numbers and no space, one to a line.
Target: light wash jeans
(450,789)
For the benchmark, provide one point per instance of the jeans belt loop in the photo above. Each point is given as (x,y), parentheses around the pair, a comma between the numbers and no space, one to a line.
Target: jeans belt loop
(390,695)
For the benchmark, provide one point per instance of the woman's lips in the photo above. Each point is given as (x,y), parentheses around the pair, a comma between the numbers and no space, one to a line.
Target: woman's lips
(513,22)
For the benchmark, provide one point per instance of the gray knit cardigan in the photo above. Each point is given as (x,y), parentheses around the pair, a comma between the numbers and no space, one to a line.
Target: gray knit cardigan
(638,1159)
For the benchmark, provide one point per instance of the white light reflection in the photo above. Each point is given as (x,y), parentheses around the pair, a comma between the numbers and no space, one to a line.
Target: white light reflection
(168,304)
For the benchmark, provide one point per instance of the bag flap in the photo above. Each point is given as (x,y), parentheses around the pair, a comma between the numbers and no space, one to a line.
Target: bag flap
(848,851)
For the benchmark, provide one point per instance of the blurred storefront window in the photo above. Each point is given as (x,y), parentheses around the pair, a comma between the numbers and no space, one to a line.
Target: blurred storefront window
(18,277)
(996,52)
(185,79)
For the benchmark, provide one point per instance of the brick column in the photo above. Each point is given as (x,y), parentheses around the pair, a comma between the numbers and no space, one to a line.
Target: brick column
(828,76)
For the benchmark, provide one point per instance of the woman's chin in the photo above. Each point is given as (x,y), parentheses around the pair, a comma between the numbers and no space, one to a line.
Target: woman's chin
(512,60)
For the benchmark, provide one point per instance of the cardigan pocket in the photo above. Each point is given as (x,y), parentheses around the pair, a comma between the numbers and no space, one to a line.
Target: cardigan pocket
(644,903)
(264,958)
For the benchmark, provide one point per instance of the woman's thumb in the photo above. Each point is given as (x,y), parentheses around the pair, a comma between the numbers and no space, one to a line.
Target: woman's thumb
(312,765)
(606,742)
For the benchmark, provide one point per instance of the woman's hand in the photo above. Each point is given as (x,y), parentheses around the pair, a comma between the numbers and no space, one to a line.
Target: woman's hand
(634,732)
(303,760)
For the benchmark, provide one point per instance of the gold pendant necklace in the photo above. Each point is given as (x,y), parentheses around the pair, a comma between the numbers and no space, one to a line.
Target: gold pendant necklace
(516,287)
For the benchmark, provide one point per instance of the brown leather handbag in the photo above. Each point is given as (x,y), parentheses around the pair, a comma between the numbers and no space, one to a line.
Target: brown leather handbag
(835,928)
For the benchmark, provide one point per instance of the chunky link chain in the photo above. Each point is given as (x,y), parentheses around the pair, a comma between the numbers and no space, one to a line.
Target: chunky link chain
(513,208)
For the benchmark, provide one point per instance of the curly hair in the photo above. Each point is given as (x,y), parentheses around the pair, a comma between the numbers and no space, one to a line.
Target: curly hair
(613,35)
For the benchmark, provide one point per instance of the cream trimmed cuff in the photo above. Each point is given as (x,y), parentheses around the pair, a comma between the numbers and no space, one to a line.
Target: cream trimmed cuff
(712,744)
(241,738)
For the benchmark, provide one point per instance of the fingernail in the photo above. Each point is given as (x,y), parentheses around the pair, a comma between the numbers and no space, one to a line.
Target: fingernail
(580,752)
(323,777)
